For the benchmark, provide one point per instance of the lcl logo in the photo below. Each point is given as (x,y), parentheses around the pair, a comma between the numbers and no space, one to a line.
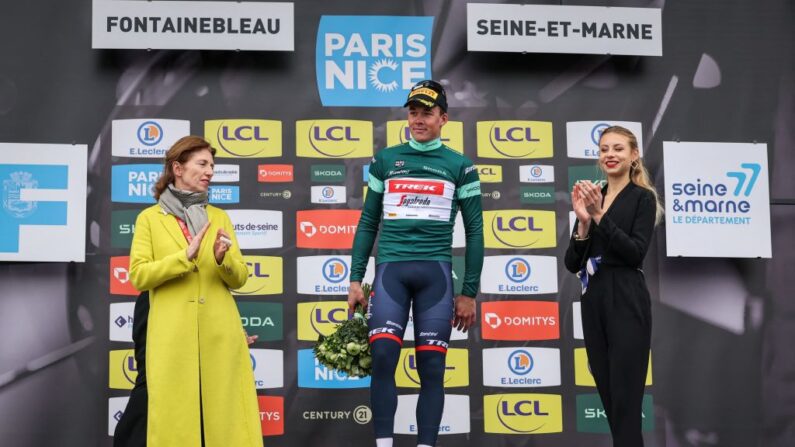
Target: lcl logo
(242,133)
(514,134)
(517,223)
(334,133)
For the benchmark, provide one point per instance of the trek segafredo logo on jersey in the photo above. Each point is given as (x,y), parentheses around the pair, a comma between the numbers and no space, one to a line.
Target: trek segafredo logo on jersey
(371,61)
(413,198)
(514,139)
(521,414)
(519,275)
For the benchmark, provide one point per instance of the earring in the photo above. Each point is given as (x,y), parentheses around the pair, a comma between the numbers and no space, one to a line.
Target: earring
(634,164)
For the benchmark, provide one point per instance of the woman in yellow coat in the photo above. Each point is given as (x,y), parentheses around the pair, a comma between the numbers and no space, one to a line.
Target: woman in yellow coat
(198,368)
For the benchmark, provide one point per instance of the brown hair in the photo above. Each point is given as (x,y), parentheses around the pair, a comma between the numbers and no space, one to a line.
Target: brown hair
(638,174)
(180,152)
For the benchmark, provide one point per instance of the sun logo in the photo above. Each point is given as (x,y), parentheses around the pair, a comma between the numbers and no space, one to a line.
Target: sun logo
(375,69)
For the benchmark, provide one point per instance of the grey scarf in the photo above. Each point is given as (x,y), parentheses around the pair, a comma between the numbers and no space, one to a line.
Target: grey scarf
(188,206)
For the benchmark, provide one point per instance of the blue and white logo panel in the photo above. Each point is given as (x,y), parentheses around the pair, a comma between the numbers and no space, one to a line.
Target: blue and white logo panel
(43,215)
(224,194)
(134,183)
(371,61)
(312,374)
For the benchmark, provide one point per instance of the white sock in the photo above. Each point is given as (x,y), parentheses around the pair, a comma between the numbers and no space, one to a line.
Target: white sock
(383,442)
(424,445)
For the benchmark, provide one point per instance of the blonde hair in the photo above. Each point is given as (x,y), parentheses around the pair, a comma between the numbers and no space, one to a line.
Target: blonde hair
(638,174)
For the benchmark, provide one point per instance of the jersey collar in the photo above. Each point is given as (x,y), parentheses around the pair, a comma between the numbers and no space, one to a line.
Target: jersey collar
(426,146)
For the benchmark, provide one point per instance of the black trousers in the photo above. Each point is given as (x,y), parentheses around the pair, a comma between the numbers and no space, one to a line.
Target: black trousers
(131,429)
(616,320)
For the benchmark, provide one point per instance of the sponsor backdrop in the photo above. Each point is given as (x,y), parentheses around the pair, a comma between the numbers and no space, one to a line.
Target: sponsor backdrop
(298,96)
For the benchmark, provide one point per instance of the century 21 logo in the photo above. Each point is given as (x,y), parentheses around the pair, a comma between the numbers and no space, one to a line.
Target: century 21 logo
(320,318)
(264,276)
(514,139)
(245,138)
(519,229)
(334,139)
(523,413)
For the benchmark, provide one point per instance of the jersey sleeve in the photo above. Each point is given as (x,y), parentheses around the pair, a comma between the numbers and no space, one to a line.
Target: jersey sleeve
(367,229)
(468,195)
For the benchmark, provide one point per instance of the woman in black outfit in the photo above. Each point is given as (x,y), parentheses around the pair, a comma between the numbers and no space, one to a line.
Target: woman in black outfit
(612,233)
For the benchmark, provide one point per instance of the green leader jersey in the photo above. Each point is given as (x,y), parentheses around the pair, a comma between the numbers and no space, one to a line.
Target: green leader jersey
(416,189)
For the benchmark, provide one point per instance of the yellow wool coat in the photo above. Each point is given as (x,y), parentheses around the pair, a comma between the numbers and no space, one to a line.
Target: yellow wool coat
(194,338)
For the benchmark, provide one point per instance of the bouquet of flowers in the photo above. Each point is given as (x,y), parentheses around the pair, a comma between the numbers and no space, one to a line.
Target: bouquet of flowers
(348,348)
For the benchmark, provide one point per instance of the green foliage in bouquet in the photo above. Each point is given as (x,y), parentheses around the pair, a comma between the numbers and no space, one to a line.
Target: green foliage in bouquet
(348,349)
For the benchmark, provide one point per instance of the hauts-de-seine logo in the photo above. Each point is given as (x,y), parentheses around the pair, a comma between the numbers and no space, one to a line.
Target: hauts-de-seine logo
(371,61)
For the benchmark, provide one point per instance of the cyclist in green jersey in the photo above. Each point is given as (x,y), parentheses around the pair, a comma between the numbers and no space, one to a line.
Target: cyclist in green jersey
(415,192)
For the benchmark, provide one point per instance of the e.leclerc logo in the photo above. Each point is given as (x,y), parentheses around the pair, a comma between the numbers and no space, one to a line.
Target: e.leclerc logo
(371,61)
(716,203)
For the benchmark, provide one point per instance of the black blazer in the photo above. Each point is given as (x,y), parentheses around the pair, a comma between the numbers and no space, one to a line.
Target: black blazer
(623,234)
